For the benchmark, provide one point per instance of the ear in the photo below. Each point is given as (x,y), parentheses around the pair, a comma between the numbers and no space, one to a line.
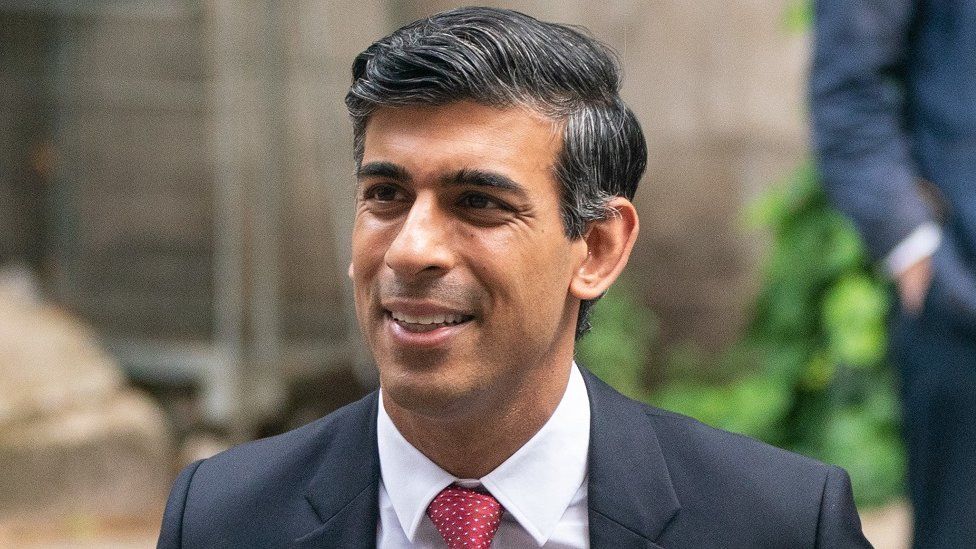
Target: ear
(608,244)
(350,271)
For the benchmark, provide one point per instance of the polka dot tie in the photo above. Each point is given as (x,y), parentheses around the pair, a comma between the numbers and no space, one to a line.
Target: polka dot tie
(466,518)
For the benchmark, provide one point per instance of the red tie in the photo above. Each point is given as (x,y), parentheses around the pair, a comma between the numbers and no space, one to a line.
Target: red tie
(466,518)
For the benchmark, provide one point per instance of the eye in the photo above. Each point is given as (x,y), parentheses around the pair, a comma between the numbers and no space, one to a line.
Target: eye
(383,192)
(479,201)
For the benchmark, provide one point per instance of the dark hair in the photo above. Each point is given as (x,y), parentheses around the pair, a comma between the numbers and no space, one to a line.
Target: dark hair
(504,58)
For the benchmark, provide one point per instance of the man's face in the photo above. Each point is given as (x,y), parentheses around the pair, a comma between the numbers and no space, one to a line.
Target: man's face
(460,262)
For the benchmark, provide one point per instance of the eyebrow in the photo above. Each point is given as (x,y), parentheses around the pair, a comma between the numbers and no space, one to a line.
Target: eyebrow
(465,176)
(482,178)
(388,170)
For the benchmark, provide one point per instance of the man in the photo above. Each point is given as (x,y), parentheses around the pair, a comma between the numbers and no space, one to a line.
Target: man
(496,164)
(893,91)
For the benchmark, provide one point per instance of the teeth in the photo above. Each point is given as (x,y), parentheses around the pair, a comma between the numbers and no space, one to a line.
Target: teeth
(427,319)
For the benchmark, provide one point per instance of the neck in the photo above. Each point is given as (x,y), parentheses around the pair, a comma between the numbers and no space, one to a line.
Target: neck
(475,442)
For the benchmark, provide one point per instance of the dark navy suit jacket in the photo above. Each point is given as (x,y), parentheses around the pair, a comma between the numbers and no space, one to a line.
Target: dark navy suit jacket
(893,102)
(656,480)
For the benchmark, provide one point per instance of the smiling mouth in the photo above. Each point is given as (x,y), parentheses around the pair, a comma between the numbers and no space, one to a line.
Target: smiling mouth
(427,323)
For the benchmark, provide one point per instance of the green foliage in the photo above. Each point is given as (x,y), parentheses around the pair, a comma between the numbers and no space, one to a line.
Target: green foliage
(798,15)
(616,350)
(752,405)
(815,379)
(853,320)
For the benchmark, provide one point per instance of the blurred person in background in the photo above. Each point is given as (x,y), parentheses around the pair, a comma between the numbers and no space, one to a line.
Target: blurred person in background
(496,165)
(893,91)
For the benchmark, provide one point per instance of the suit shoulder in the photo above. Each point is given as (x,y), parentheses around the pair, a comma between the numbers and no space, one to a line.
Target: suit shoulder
(738,484)
(733,481)
(258,488)
(686,435)
(298,444)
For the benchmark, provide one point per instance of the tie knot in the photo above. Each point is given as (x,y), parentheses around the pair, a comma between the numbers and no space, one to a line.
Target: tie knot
(466,518)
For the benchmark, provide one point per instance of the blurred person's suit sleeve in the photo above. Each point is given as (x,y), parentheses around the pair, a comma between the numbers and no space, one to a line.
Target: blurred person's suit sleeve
(858,114)
(893,103)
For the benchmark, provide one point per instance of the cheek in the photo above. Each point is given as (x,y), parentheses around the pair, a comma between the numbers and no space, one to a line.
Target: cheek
(525,276)
(368,247)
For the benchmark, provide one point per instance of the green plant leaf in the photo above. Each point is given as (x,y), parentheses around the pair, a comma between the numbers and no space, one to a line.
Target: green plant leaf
(854,311)
(616,349)
(798,16)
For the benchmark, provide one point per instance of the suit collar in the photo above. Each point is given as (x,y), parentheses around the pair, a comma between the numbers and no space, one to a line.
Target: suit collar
(630,495)
(631,498)
(344,490)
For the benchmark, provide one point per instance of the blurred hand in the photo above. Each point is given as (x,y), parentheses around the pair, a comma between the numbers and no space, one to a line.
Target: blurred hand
(913,285)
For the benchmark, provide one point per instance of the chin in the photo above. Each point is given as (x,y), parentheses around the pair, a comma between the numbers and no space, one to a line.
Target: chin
(426,391)
(425,399)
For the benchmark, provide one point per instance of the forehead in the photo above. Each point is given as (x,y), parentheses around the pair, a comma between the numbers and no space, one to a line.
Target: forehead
(432,140)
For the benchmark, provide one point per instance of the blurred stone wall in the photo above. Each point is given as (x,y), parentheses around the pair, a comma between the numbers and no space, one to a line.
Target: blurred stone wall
(717,86)
(24,136)
(75,441)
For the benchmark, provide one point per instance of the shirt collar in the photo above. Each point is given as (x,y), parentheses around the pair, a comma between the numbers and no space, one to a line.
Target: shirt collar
(535,485)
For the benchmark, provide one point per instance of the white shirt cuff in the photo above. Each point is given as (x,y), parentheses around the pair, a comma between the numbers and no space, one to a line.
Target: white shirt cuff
(915,247)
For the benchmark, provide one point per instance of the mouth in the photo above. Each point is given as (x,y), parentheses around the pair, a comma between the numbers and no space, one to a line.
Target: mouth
(418,324)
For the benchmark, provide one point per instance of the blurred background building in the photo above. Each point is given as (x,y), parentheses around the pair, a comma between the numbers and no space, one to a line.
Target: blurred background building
(178,173)
(176,176)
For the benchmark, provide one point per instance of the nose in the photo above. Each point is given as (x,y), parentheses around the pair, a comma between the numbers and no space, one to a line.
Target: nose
(423,244)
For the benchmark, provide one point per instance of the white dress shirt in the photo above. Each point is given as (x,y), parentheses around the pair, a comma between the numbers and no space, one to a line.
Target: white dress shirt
(542,486)
(921,243)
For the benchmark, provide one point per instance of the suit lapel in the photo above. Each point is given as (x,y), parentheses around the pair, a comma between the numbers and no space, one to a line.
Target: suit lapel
(344,491)
(631,498)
